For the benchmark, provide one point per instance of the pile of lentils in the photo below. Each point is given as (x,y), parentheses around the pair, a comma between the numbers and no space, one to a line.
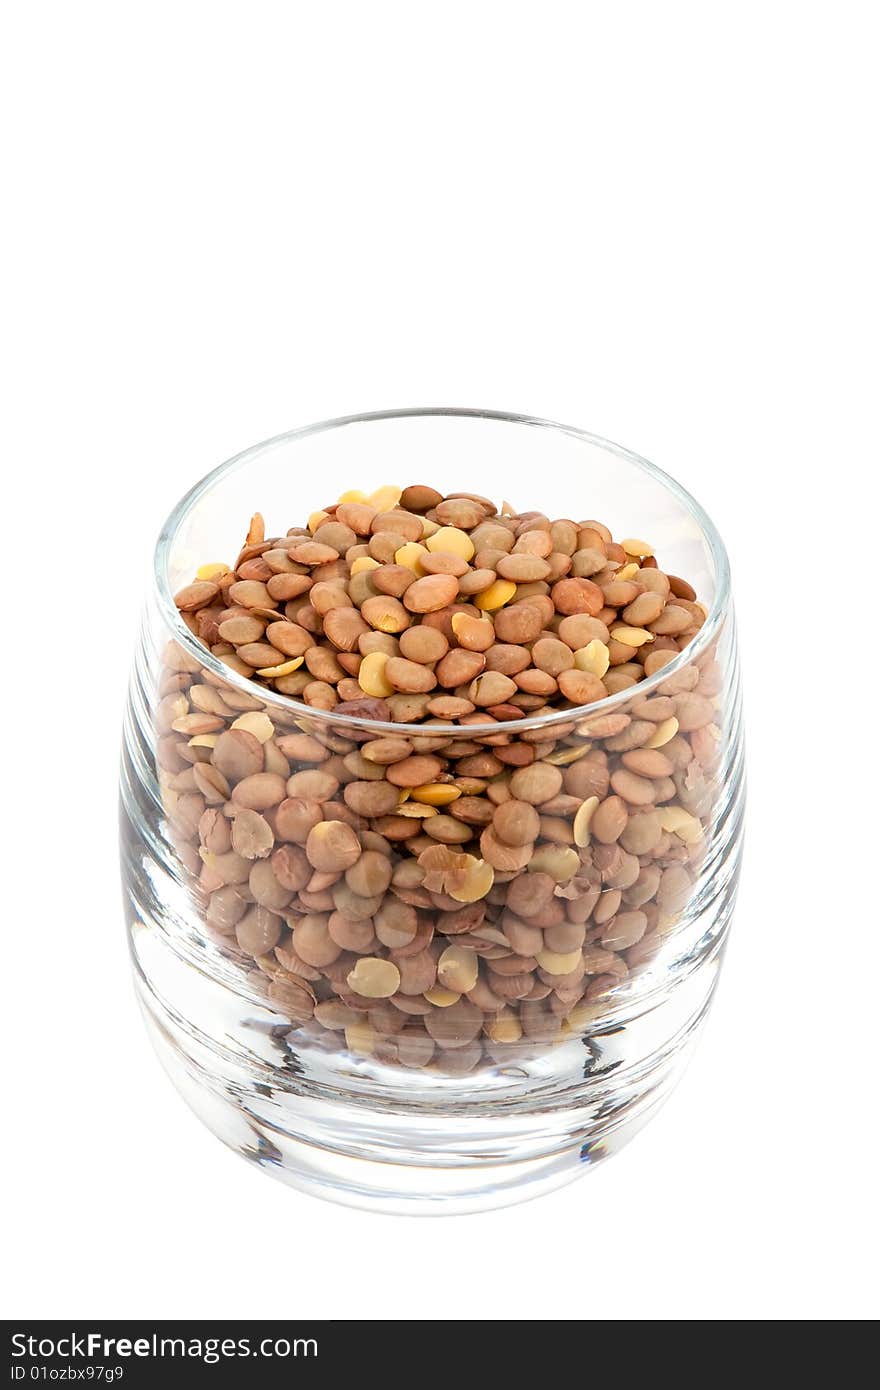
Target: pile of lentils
(438,898)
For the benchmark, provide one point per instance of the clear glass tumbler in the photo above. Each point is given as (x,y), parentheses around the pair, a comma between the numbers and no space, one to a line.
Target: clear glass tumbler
(537,1020)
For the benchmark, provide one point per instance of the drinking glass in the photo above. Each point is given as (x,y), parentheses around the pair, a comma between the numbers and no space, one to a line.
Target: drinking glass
(533,1023)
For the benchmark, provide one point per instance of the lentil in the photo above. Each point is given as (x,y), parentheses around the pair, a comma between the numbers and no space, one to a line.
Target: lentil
(665,731)
(593,658)
(374,978)
(260,791)
(252,835)
(458,969)
(451,540)
(433,592)
(516,822)
(581,827)
(371,675)
(257,723)
(408,676)
(496,595)
(332,846)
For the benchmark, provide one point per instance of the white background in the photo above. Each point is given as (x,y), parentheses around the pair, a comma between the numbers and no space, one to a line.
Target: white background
(654,221)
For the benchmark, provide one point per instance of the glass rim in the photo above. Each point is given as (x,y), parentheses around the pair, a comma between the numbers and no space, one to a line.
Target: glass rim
(341,722)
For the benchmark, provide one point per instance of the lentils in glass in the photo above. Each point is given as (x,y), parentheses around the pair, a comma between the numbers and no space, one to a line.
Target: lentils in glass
(436,897)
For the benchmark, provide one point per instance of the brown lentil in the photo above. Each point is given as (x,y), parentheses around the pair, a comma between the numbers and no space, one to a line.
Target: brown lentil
(251,835)
(332,846)
(409,676)
(260,791)
(516,822)
(433,592)
(537,783)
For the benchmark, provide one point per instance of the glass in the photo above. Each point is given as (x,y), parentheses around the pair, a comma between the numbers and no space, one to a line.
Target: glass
(550,1033)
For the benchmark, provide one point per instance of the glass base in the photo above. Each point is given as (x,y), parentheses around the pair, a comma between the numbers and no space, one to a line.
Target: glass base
(354,1131)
